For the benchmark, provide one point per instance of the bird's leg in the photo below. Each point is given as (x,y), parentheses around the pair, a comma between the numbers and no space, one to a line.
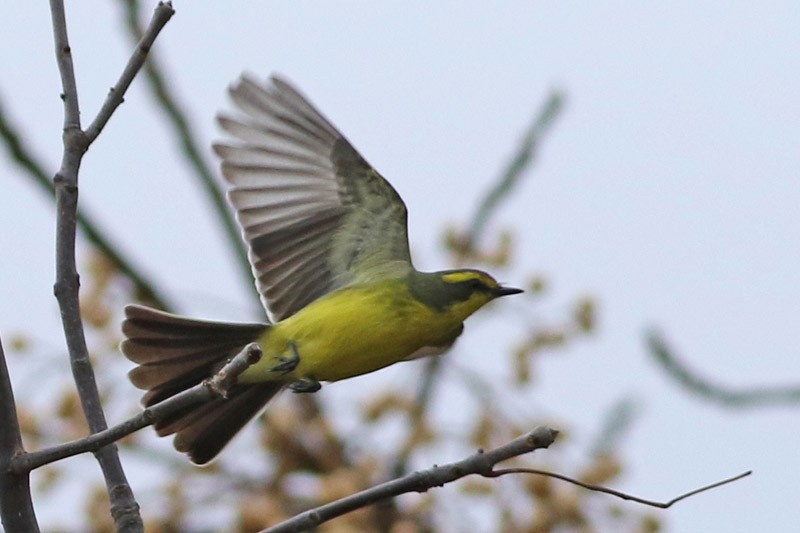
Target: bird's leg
(287,364)
(305,385)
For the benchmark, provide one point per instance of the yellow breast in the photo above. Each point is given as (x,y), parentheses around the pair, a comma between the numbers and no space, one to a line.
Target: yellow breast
(354,331)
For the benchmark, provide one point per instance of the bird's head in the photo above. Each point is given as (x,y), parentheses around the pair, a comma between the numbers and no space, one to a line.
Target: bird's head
(461,292)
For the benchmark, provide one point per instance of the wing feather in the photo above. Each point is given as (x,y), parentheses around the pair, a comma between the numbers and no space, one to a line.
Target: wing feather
(314,213)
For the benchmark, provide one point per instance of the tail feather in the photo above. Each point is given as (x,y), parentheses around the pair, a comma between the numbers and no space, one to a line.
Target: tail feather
(175,353)
(204,436)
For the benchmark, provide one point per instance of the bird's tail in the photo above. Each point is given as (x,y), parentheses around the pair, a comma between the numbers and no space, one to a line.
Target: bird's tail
(175,353)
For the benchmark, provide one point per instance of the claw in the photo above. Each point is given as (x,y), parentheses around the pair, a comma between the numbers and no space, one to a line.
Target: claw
(287,364)
(305,385)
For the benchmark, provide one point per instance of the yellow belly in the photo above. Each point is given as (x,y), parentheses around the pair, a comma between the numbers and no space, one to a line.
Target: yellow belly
(353,331)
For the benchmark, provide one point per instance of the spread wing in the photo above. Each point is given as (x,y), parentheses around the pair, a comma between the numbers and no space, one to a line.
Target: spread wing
(315,214)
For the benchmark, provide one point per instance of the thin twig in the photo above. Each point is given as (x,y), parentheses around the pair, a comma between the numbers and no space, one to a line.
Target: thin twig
(161,16)
(617,422)
(190,146)
(16,506)
(480,463)
(145,288)
(521,161)
(618,494)
(751,397)
(215,386)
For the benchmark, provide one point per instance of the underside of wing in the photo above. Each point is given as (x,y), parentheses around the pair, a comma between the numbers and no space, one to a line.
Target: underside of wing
(315,214)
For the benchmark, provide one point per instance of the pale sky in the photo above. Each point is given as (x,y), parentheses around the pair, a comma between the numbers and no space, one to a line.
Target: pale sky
(669,189)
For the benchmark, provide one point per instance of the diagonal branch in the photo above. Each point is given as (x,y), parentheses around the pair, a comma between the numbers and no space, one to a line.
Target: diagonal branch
(217,385)
(162,15)
(190,146)
(481,463)
(522,160)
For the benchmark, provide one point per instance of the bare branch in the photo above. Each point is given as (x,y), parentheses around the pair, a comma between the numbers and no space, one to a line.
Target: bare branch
(618,421)
(216,385)
(521,161)
(618,494)
(65,67)
(190,146)
(124,508)
(163,13)
(481,463)
(16,507)
(751,397)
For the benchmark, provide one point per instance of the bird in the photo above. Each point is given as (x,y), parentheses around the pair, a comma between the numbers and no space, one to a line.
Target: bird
(328,245)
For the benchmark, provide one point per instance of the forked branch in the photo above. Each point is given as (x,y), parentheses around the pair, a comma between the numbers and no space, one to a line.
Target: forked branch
(124,508)
(481,463)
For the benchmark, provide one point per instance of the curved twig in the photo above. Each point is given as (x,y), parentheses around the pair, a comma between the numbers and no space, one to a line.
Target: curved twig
(751,397)
(618,494)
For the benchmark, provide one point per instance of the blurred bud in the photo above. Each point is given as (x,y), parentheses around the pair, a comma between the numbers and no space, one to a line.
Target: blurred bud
(101,273)
(406,526)
(257,511)
(502,254)
(98,511)
(604,468)
(483,430)
(585,315)
(650,524)
(384,404)
(50,474)
(522,365)
(478,486)
(29,426)
(536,285)
(19,342)
(541,487)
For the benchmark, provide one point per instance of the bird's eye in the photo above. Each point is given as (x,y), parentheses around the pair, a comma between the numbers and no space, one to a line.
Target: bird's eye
(476,284)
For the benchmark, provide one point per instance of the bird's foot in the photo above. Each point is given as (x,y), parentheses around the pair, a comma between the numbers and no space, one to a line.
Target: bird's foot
(287,364)
(305,385)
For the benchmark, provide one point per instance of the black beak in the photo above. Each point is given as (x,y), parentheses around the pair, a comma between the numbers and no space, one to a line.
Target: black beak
(505,291)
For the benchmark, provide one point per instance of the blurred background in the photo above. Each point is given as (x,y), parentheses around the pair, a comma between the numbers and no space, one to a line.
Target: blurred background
(663,198)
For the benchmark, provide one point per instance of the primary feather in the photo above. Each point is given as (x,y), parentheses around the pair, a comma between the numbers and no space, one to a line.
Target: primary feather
(316,215)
